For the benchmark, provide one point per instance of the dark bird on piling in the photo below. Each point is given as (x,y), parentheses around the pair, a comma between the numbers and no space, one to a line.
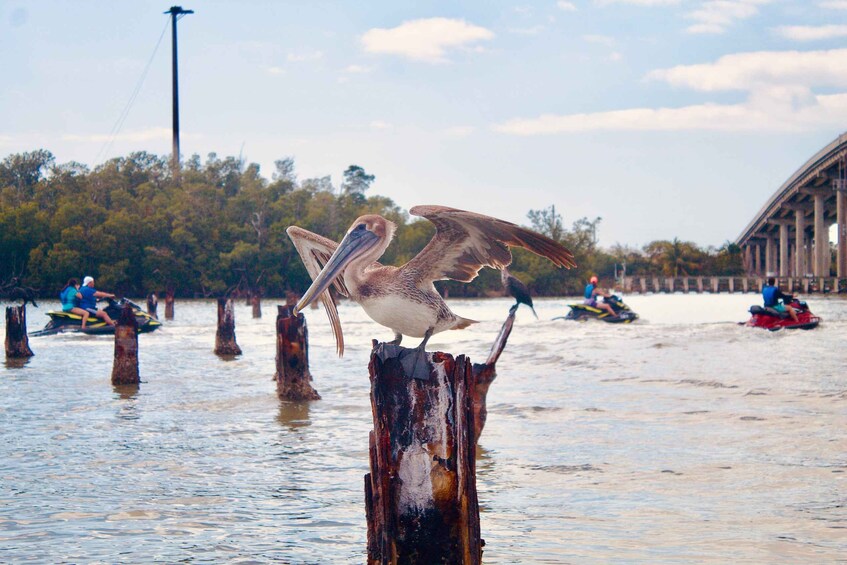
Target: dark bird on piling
(515,287)
(14,291)
(404,298)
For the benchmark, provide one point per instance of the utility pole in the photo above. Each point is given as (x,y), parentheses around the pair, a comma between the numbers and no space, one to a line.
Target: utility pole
(176,12)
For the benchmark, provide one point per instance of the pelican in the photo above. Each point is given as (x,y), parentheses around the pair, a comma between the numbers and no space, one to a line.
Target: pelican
(518,290)
(404,299)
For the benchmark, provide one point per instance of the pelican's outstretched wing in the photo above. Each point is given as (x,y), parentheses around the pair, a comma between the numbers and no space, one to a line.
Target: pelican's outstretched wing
(315,250)
(464,242)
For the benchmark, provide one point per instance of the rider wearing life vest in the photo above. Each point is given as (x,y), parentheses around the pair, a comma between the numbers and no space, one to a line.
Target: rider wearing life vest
(772,296)
(591,293)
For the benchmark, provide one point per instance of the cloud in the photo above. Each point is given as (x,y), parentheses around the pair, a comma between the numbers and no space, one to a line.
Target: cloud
(599,39)
(304,57)
(639,2)
(148,134)
(276,71)
(749,71)
(380,125)
(424,40)
(566,6)
(459,131)
(357,69)
(780,98)
(834,4)
(811,33)
(715,16)
(535,30)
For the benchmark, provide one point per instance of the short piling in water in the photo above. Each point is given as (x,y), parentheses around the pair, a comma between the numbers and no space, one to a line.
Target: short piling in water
(225,337)
(420,494)
(152,304)
(485,373)
(17,342)
(256,303)
(293,379)
(125,366)
(169,304)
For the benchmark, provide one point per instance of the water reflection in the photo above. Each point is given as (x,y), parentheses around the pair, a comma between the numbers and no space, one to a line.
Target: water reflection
(17,362)
(294,415)
(127,391)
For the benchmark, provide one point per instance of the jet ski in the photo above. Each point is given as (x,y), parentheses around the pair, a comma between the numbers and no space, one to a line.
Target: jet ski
(623,315)
(773,320)
(67,322)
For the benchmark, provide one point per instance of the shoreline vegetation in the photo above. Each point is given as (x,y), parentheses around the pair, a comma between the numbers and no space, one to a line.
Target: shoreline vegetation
(132,226)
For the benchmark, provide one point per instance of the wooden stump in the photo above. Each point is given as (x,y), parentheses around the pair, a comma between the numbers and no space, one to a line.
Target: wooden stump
(225,336)
(125,366)
(485,373)
(256,303)
(169,304)
(17,342)
(420,496)
(293,379)
(152,304)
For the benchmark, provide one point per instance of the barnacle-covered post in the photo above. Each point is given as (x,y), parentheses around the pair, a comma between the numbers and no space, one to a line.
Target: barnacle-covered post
(293,379)
(420,494)
(485,373)
(125,366)
(225,337)
(17,342)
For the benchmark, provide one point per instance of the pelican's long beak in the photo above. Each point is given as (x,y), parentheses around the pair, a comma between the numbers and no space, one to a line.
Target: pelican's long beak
(354,244)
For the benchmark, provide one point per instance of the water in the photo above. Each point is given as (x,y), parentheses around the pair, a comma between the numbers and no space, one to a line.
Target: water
(681,438)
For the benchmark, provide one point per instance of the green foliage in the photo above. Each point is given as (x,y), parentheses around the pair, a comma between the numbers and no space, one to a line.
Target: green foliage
(136,230)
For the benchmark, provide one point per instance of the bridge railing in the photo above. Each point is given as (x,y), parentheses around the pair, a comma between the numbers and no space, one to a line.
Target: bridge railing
(669,285)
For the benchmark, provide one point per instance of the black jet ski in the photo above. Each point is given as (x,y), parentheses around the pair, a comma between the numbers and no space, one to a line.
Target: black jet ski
(623,315)
(67,322)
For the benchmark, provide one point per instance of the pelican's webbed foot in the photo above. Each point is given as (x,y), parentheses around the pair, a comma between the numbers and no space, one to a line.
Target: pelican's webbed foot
(416,362)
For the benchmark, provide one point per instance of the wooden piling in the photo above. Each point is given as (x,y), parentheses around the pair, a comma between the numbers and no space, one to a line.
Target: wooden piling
(125,366)
(293,379)
(169,303)
(256,303)
(152,304)
(225,336)
(17,342)
(421,500)
(484,375)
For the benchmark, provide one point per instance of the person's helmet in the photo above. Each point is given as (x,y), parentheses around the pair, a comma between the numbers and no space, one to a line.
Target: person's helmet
(593,280)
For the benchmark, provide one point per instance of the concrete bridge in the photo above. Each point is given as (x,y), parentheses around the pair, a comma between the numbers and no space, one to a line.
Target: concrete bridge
(789,237)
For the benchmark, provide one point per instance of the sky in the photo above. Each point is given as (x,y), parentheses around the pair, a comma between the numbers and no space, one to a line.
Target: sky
(666,118)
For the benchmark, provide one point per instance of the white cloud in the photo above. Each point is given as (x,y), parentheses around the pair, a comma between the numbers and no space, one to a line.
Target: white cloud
(639,2)
(424,40)
(148,134)
(600,39)
(834,4)
(749,71)
(276,71)
(304,57)
(380,125)
(715,16)
(812,33)
(566,6)
(535,30)
(780,98)
(459,131)
(357,69)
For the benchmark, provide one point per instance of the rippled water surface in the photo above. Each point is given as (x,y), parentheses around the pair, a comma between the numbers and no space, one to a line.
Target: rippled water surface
(681,438)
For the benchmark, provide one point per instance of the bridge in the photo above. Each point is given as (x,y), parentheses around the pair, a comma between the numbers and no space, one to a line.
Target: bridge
(789,237)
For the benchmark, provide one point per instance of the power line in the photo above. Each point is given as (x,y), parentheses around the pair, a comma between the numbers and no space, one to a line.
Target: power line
(104,150)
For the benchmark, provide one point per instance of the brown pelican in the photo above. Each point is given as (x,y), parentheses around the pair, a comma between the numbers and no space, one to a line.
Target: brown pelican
(518,290)
(404,298)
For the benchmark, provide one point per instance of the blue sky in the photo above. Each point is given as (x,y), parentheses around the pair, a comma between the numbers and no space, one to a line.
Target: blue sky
(667,118)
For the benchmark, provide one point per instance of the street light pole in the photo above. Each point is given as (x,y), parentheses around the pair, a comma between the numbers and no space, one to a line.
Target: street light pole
(175,12)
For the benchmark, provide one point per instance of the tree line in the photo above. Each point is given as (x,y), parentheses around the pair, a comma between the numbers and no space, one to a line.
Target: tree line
(221,226)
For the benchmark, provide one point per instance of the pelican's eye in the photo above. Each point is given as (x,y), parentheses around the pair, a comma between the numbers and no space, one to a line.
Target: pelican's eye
(361,227)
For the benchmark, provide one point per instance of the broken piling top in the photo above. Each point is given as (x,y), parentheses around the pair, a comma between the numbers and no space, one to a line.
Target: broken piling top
(421,492)
(293,379)
(225,336)
(125,365)
(17,342)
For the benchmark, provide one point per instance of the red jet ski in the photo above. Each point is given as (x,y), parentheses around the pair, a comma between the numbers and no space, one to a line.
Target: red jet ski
(771,319)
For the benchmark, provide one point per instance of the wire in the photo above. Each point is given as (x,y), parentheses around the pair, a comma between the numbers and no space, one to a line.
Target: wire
(113,134)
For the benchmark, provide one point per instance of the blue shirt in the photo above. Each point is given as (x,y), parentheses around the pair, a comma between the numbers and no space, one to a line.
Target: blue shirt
(770,294)
(589,290)
(88,298)
(68,298)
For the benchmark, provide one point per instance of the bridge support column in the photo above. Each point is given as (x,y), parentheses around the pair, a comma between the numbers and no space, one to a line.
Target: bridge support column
(799,243)
(821,239)
(770,255)
(748,259)
(841,213)
(757,259)
(783,250)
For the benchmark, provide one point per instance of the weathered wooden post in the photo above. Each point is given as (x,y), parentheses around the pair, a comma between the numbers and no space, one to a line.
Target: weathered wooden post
(256,303)
(125,366)
(420,496)
(293,379)
(225,336)
(169,303)
(152,304)
(485,373)
(17,342)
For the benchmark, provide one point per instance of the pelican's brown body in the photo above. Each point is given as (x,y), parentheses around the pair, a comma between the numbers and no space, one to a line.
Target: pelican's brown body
(404,298)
